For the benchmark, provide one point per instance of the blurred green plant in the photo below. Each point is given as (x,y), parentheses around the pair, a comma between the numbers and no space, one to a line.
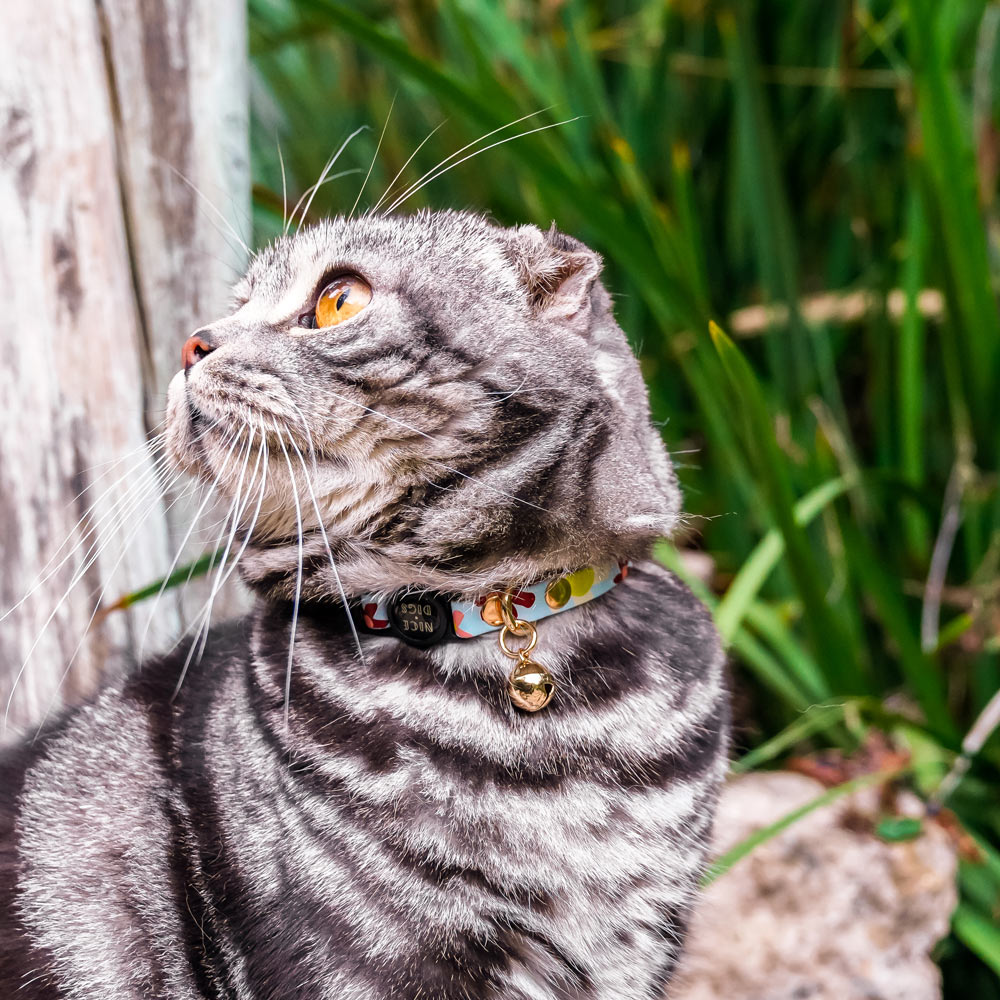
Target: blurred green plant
(822,180)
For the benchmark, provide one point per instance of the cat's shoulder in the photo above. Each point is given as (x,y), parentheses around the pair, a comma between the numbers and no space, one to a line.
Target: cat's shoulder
(660,597)
(118,742)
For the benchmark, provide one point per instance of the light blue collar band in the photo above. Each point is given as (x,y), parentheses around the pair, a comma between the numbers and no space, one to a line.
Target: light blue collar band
(416,616)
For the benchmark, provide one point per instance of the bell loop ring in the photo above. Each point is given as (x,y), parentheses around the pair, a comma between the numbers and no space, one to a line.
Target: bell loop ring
(510,620)
(528,630)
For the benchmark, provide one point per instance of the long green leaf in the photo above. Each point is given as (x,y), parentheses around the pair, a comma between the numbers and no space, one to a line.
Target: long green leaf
(947,146)
(771,217)
(979,933)
(816,719)
(923,674)
(766,622)
(758,566)
(769,669)
(179,577)
(758,435)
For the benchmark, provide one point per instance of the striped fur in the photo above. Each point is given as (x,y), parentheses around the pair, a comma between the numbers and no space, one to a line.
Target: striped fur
(407,834)
(474,425)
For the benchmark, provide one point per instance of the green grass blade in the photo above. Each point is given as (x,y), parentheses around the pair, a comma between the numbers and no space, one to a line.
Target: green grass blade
(912,332)
(815,719)
(979,933)
(829,642)
(947,148)
(758,566)
(735,854)
(767,205)
(922,673)
(684,195)
(769,670)
(180,576)
(768,624)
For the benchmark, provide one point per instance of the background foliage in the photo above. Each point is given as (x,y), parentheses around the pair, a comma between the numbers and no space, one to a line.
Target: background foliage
(821,179)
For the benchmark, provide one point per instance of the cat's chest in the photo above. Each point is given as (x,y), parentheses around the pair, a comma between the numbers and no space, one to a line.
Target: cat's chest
(526,809)
(427,831)
(567,869)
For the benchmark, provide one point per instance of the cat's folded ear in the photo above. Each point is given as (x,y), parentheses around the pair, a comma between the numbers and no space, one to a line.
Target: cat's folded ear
(558,274)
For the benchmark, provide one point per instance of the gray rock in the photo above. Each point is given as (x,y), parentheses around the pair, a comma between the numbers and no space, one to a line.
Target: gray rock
(824,911)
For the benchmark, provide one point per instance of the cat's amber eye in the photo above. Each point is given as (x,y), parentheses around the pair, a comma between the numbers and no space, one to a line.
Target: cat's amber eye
(343,298)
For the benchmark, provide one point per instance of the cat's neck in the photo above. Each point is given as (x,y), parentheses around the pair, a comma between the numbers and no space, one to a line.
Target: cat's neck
(336,571)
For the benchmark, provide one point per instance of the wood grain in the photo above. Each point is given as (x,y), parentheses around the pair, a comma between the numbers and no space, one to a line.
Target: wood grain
(102,274)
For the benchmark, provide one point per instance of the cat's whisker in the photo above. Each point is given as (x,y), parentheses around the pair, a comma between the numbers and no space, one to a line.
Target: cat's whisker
(97,609)
(201,637)
(208,201)
(326,543)
(235,271)
(150,446)
(410,192)
(102,529)
(209,496)
(458,152)
(238,504)
(147,493)
(329,179)
(238,210)
(187,660)
(310,193)
(298,578)
(239,510)
(198,620)
(284,190)
(371,165)
(438,486)
(399,173)
(505,394)
(319,516)
(260,502)
(208,490)
(309,437)
(96,525)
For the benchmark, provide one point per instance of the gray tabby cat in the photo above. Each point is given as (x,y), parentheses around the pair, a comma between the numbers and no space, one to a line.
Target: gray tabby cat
(429,403)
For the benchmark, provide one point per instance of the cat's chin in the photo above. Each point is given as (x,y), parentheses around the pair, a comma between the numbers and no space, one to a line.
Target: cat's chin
(270,567)
(202,442)
(180,435)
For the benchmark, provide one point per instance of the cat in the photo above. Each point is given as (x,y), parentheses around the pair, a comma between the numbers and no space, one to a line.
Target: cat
(431,405)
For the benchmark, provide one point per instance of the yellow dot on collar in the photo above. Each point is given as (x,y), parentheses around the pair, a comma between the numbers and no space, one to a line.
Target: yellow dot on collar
(557,593)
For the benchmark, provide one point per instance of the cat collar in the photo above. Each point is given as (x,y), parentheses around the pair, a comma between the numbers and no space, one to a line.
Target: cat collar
(421,618)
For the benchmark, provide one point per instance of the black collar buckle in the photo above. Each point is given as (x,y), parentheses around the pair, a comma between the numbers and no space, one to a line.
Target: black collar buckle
(419,618)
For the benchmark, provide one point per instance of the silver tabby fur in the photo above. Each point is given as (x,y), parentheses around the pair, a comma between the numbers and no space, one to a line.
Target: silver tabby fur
(406,833)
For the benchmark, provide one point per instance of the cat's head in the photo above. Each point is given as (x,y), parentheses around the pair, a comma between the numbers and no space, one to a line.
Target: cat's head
(451,399)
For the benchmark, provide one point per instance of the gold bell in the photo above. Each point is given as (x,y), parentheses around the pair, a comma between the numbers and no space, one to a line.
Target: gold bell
(530,685)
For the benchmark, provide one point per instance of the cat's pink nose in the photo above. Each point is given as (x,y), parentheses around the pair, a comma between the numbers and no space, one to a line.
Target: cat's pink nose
(195,348)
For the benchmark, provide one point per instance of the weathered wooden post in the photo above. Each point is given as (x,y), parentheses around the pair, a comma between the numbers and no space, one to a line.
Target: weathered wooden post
(111,113)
